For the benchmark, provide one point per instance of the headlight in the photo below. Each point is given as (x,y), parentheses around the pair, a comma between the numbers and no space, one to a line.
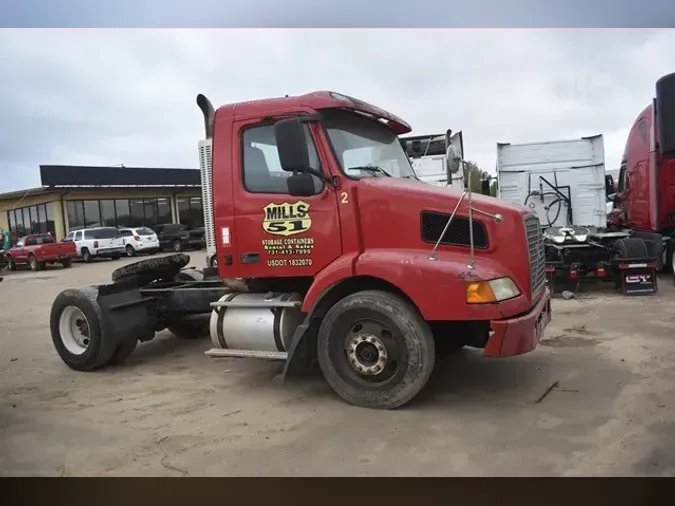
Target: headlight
(495,290)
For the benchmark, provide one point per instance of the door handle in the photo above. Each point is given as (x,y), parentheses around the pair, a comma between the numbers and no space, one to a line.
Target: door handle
(250,258)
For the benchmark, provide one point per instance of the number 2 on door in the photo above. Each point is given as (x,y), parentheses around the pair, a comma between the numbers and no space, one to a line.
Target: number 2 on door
(344,199)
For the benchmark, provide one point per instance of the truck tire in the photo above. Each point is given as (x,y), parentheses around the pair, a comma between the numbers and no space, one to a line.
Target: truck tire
(177,246)
(375,350)
(67,262)
(630,248)
(78,331)
(11,266)
(151,269)
(189,275)
(669,254)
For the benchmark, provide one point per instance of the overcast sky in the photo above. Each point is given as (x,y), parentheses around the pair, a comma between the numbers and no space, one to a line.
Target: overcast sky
(108,97)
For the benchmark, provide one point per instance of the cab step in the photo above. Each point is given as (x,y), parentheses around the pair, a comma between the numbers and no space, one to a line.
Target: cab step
(256,304)
(270,355)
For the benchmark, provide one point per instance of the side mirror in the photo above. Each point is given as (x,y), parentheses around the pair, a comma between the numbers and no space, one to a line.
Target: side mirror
(292,145)
(300,184)
(454,154)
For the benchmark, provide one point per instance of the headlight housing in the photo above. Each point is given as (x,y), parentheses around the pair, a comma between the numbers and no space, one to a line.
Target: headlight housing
(494,290)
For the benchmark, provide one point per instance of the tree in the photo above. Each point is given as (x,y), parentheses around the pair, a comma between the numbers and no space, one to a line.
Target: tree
(494,187)
(477,175)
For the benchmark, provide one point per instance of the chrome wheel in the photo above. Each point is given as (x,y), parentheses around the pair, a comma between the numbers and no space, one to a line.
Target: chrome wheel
(74,330)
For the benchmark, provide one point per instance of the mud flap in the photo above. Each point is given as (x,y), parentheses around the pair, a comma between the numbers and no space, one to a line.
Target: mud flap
(636,278)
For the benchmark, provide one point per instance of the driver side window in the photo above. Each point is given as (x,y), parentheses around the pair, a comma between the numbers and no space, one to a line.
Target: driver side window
(622,179)
(262,170)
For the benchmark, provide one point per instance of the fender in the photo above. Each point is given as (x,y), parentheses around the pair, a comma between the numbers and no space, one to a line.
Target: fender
(340,269)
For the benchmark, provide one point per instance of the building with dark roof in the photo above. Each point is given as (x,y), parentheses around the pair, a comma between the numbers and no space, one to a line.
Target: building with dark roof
(74,197)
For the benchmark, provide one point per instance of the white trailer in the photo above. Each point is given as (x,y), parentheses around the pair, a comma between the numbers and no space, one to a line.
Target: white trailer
(429,157)
(564,182)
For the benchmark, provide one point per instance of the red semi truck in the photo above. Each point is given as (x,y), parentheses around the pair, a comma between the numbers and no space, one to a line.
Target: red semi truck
(645,197)
(329,250)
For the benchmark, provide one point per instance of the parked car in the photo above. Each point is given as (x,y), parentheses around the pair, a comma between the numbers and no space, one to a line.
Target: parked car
(104,242)
(38,250)
(139,240)
(177,237)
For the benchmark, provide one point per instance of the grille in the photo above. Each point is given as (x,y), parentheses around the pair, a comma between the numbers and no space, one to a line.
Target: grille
(535,246)
(457,233)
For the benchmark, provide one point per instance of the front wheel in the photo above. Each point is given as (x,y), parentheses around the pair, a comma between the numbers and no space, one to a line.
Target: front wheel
(375,350)
(67,262)
(10,264)
(34,264)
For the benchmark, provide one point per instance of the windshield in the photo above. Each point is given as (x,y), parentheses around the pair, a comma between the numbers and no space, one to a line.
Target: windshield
(365,147)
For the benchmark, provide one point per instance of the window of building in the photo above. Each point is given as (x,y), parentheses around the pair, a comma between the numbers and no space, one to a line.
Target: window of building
(38,219)
(262,169)
(92,213)
(75,212)
(123,214)
(163,211)
(136,212)
(150,212)
(190,212)
(108,217)
(118,213)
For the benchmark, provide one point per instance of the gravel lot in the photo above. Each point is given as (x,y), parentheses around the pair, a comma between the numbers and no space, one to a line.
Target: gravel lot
(172,411)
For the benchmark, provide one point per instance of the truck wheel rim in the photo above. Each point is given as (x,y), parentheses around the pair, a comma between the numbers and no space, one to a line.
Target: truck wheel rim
(74,330)
(372,351)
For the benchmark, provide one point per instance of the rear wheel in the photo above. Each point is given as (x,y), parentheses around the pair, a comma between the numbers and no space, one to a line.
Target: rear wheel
(630,248)
(130,251)
(375,350)
(177,246)
(67,262)
(87,256)
(78,331)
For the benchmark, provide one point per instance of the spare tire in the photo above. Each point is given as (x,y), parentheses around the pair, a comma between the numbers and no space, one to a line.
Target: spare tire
(153,269)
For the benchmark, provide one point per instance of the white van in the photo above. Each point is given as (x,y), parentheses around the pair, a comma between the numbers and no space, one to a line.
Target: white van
(105,242)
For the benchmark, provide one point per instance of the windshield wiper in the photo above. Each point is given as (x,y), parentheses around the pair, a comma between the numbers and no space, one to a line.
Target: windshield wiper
(372,168)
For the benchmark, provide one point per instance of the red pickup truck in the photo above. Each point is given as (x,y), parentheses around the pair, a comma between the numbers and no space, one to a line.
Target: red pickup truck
(38,250)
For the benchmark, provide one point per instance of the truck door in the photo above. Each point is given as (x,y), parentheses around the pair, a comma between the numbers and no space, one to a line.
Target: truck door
(277,235)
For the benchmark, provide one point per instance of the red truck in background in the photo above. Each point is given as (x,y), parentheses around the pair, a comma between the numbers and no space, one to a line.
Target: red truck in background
(38,250)
(645,197)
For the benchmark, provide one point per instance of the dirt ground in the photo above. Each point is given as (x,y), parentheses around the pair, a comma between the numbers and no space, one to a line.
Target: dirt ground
(172,411)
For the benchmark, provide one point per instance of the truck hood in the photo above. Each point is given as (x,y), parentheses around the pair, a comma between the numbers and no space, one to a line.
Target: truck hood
(436,198)
(390,211)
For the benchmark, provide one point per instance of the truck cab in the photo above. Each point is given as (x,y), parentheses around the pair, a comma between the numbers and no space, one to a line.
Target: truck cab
(645,197)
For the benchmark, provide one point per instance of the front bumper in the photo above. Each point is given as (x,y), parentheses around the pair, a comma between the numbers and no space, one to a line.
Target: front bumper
(520,335)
